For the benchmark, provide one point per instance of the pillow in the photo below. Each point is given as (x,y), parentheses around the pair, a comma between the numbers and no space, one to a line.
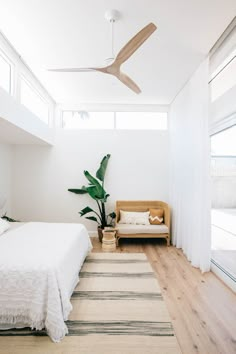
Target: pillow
(156,216)
(4,225)
(136,218)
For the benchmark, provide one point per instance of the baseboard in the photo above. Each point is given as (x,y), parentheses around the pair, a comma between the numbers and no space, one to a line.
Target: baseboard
(229,280)
(93,233)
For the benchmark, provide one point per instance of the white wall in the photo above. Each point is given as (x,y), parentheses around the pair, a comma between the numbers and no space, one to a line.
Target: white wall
(5,176)
(138,169)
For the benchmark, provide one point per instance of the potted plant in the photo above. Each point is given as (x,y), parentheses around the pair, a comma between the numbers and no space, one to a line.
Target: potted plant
(96,191)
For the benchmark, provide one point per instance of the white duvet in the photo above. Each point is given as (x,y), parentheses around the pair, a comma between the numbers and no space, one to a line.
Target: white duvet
(39,267)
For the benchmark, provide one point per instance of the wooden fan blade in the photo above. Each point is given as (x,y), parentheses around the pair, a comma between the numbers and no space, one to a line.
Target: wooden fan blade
(135,43)
(126,80)
(80,70)
(102,70)
(72,70)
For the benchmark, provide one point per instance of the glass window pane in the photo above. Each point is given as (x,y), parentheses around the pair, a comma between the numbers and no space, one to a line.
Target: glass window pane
(5,74)
(224,81)
(33,101)
(224,143)
(141,120)
(91,120)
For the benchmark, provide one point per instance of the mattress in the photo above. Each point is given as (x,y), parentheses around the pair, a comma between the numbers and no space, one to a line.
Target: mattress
(39,268)
(14,225)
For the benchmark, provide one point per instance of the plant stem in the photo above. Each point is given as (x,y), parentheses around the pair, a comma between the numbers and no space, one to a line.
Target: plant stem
(104,221)
(100,210)
(98,215)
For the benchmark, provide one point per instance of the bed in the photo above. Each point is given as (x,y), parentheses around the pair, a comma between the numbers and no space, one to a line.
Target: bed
(39,269)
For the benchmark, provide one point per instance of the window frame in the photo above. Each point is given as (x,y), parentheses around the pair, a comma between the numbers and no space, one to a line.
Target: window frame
(19,68)
(115,121)
(213,156)
(6,58)
(37,92)
(219,75)
(73,111)
(144,129)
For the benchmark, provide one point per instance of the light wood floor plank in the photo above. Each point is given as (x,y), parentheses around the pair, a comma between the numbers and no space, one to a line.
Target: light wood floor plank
(186,295)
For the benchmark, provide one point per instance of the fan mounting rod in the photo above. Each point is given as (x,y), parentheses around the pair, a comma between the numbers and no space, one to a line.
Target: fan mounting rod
(112,16)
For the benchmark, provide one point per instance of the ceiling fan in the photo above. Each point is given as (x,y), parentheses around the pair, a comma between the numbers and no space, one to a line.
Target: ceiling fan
(115,62)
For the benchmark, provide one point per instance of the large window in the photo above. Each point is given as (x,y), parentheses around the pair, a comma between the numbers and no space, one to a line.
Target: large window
(31,99)
(222,65)
(5,73)
(141,120)
(115,120)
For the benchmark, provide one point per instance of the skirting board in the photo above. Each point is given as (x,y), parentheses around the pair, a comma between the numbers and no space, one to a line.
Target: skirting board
(223,276)
(93,233)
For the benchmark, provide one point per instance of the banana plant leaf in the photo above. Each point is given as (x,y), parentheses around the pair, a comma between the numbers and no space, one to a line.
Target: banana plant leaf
(100,174)
(92,180)
(82,190)
(92,218)
(112,215)
(95,193)
(86,211)
(5,217)
(95,189)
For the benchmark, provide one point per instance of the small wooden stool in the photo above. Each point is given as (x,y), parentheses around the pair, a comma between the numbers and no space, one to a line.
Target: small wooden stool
(109,240)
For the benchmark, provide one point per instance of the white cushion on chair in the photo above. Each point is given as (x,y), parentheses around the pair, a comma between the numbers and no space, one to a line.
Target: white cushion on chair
(134,218)
(142,229)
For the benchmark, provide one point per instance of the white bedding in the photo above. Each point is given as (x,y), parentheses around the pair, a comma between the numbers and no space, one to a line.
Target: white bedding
(39,267)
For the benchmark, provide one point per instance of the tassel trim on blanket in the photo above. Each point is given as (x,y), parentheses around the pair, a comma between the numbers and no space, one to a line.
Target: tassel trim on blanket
(37,322)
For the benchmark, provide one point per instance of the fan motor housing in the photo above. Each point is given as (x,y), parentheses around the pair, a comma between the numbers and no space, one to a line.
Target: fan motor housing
(112,15)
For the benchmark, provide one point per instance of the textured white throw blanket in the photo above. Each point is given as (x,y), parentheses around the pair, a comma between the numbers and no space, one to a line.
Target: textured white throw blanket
(39,266)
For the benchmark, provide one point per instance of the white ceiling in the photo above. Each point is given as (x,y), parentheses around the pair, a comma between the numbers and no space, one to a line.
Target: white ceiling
(74,33)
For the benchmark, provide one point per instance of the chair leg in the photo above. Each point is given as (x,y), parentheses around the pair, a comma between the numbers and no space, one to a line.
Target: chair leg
(168,241)
(117,241)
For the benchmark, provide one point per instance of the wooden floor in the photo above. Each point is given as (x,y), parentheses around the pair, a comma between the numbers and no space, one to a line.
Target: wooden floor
(202,308)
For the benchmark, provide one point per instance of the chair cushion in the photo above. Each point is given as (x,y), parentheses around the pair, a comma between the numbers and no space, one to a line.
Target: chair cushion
(134,218)
(142,229)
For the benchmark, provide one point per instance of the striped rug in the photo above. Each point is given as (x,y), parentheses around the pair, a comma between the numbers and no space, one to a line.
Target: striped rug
(117,309)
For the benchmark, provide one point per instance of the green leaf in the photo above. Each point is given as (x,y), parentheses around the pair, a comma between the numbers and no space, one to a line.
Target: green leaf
(112,215)
(91,218)
(93,181)
(5,217)
(94,193)
(95,189)
(83,190)
(86,211)
(100,174)
(105,198)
